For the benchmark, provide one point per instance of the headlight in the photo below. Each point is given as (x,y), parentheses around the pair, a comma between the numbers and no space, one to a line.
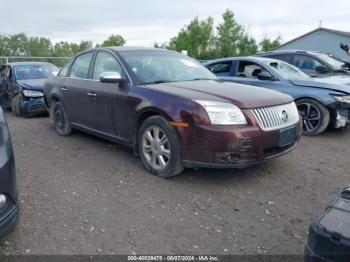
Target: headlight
(342,99)
(221,113)
(30,93)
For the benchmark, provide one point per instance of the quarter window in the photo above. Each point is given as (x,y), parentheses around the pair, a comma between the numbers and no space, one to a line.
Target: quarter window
(64,70)
(80,68)
(105,63)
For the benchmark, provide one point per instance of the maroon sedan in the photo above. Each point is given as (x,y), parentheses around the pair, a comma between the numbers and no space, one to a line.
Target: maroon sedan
(171,110)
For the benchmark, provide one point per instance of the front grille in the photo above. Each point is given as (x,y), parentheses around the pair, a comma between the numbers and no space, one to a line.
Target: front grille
(276,117)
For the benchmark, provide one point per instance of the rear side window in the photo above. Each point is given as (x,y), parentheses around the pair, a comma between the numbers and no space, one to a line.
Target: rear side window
(80,68)
(105,63)
(305,62)
(221,69)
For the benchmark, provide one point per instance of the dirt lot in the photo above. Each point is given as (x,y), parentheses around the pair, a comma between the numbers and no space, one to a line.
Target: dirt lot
(83,195)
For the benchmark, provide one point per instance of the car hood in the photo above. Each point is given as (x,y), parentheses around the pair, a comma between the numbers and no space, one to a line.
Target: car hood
(338,79)
(318,83)
(243,96)
(32,84)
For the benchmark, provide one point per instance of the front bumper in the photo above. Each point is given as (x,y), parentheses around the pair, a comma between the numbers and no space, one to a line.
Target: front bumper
(340,115)
(9,213)
(233,147)
(33,106)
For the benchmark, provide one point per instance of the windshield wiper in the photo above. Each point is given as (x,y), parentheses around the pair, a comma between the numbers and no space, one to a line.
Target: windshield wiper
(156,82)
(201,78)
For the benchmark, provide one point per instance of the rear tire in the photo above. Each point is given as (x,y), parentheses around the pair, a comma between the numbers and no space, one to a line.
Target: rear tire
(60,119)
(316,117)
(160,147)
(16,106)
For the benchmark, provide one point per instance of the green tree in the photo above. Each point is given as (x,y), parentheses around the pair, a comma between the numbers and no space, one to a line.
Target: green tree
(114,40)
(267,44)
(197,38)
(247,45)
(18,45)
(230,33)
(39,46)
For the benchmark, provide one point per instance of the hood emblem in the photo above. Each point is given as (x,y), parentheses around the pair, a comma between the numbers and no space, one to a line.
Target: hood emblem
(284,116)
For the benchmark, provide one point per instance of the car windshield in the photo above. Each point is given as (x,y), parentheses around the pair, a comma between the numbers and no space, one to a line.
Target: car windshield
(151,67)
(25,72)
(334,62)
(286,70)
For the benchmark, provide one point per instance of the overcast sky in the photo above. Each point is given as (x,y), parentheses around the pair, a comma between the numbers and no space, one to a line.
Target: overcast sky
(144,22)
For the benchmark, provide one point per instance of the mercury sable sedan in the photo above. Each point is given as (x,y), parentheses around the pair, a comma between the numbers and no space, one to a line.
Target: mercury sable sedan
(171,110)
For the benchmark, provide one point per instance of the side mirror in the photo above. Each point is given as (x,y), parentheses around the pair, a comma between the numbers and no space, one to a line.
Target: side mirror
(322,69)
(265,76)
(111,77)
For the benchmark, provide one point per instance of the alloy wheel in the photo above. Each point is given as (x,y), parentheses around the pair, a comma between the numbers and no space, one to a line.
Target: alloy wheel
(311,116)
(59,118)
(156,147)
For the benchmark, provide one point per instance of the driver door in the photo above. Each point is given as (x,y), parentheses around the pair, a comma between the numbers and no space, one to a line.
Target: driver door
(247,73)
(107,102)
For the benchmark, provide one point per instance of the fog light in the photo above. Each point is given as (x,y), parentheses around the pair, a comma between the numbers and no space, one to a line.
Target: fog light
(2,201)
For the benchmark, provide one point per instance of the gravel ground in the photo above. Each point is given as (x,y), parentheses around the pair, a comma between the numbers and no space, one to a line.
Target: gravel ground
(84,195)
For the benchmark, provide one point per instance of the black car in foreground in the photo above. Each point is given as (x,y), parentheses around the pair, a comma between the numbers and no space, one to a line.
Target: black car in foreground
(9,209)
(21,87)
(313,63)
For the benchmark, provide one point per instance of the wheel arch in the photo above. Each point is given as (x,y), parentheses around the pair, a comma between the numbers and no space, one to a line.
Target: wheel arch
(141,117)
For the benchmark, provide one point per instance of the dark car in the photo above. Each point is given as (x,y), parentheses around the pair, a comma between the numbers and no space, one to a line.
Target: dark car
(313,63)
(171,110)
(320,102)
(9,209)
(21,87)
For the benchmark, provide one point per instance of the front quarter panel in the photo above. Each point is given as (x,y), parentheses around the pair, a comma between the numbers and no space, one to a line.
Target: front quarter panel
(52,89)
(143,101)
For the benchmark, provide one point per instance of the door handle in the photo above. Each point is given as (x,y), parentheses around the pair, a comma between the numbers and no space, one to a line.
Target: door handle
(63,89)
(91,94)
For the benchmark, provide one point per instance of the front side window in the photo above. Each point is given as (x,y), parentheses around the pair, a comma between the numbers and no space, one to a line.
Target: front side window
(105,63)
(80,68)
(37,71)
(162,66)
(249,69)
(305,62)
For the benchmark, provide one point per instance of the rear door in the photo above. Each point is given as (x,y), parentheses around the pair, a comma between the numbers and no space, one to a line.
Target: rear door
(73,88)
(107,102)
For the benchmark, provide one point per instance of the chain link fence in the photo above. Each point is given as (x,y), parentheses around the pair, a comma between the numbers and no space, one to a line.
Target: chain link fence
(58,61)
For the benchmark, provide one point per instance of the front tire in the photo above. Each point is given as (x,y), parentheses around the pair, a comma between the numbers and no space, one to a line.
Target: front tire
(16,106)
(60,119)
(159,147)
(315,116)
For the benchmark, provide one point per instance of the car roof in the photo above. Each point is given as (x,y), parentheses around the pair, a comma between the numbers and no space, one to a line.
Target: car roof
(28,63)
(133,48)
(290,51)
(249,58)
